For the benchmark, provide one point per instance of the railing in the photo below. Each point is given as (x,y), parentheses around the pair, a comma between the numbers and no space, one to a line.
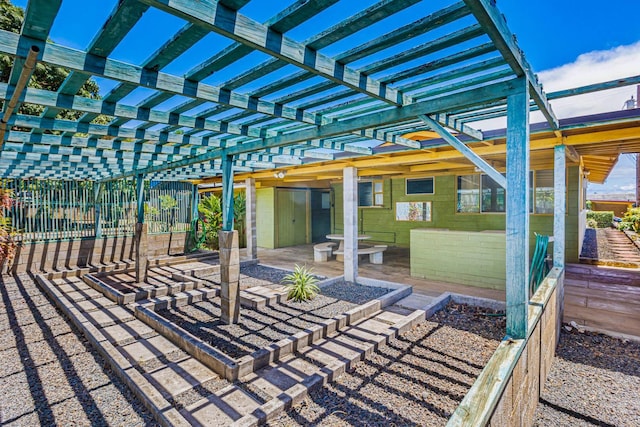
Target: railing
(62,210)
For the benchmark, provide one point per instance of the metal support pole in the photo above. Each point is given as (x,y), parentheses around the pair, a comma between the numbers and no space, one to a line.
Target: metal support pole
(227,192)
(517,213)
(25,75)
(195,201)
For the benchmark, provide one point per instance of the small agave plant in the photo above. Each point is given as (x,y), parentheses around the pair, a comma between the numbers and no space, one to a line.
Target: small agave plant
(301,284)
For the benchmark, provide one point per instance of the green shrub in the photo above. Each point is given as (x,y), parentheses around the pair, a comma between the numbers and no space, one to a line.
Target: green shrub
(592,223)
(631,220)
(603,219)
(301,284)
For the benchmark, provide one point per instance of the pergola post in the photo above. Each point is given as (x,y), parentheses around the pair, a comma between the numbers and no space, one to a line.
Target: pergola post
(350,197)
(229,252)
(250,226)
(140,233)
(517,212)
(559,218)
(97,208)
(195,201)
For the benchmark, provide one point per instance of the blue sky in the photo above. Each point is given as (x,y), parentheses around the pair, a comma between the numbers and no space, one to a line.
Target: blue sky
(569,43)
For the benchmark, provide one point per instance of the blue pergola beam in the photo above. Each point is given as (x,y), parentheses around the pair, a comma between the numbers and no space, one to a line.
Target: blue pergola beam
(466,151)
(476,96)
(121,20)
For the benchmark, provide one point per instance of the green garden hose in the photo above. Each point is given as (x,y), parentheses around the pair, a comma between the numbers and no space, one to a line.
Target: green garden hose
(539,267)
(198,233)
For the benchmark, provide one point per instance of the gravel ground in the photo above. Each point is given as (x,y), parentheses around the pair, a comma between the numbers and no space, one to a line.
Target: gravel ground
(594,381)
(256,275)
(417,380)
(49,375)
(259,328)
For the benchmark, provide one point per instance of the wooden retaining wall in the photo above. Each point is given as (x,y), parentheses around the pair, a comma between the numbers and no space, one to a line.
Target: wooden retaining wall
(605,299)
(68,254)
(507,391)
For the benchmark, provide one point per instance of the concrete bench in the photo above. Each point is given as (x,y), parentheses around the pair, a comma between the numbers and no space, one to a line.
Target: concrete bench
(374,252)
(322,251)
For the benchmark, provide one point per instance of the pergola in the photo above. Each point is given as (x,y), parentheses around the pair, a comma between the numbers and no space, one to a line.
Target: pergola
(318,81)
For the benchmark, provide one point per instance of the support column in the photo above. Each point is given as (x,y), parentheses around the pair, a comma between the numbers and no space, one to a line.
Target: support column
(141,233)
(350,198)
(559,230)
(229,276)
(559,204)
(250,226)
(229,251)
(517,212)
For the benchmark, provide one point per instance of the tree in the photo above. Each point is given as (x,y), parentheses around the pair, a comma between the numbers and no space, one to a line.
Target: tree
(45,76)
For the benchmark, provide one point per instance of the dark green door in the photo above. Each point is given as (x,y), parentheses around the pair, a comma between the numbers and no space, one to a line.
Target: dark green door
(292,217)
(320,215)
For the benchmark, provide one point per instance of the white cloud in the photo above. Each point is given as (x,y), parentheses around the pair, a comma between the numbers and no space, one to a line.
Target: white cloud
(589,68)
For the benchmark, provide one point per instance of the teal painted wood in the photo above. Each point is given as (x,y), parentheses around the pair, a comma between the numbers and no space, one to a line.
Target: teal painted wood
(437,64)
(52,99)
(466,151)
(251,33)
(477,96)
(195,201)
(117,132)
(485,78)
(227,193)
(496,28)
(454,74)
(128,73)
(452,123)
(121,20)
(517,212)
(140,198)
(451,39)
(559,204)
(612,84)
(431,22)
(39,17)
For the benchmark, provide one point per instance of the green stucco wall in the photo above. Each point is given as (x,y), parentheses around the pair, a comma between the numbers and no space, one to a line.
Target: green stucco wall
(265,217)
(478,261)
(380,223)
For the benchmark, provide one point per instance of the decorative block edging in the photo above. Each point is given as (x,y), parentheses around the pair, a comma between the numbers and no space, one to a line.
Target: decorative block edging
(162,410)
(231,369)
(516,373)
(298,392)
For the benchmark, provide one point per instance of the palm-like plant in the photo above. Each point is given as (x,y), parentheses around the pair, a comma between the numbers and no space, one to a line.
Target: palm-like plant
(301,284)
(211,208)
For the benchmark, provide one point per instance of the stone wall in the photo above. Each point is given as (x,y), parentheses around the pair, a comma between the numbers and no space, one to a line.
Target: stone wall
(507,391)
(67,254)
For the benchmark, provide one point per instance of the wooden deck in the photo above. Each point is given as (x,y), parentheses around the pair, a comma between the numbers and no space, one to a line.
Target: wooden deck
(395,268)
(603,298)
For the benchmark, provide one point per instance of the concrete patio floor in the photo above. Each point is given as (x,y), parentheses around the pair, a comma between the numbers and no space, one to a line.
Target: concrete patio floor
(395,268)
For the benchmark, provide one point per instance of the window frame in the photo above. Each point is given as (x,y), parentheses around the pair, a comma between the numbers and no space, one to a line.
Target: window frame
(433,186)
(373,193)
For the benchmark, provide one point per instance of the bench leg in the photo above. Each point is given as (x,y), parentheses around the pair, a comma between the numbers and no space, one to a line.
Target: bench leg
(320,256)
(375,258)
